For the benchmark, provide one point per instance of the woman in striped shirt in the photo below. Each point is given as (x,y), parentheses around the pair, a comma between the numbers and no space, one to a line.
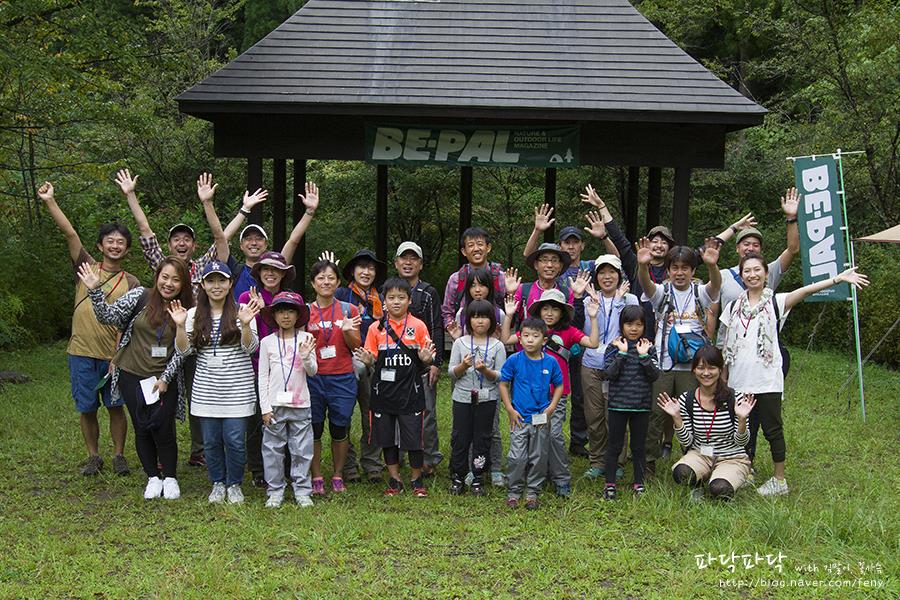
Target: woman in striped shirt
(711,424)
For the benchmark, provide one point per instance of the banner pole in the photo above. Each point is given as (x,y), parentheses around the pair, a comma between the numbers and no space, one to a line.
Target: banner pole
(855,299)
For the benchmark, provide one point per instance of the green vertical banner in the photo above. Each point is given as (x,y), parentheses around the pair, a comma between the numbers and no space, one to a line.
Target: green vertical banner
(821,223)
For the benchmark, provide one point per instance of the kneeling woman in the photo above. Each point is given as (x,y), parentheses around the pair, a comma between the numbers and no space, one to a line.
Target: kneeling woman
(711,423)
(147,349)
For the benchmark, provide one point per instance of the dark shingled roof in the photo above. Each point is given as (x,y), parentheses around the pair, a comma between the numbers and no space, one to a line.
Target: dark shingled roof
(581,59)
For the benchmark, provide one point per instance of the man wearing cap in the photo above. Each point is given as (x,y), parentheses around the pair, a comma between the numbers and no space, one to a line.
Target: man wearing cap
(425,305)
(749,239)
(548,261)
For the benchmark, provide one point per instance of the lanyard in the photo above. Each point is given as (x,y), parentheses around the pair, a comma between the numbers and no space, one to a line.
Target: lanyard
(159,334)
(741,319)
(679,313)
(487,341)
(711,423)
(653,278)
(326,332)
(281,354)
(215,339)
(608,317)
(387,335)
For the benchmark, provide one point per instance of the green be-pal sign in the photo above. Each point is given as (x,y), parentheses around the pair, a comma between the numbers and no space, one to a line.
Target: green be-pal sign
(821,223)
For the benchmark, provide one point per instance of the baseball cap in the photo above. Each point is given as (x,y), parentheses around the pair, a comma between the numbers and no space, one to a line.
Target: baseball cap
(663,231)
(410,247)
(608,259)
(748,232)
(181,227)
(216,266)
(253,228)
(569,231)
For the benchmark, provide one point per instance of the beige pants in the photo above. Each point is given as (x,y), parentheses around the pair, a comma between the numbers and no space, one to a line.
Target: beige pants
(734,469)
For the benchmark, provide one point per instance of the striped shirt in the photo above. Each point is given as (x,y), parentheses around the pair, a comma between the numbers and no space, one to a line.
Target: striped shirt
(226,390)
(714,429)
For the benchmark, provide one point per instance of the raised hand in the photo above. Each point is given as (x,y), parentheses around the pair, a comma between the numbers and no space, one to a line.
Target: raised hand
(86,273)
(580,283)
(746,221)
(744,405)
(790,202)
(454,330)
(669,406)
(851,276)
(642,249)
(364,356)
(513,281)
(177,312)
(542,220)
(597,227)
(205,187)
(351,323)
(621,344)
(328,255)
(251,200)
(644,345)
(593,293)
(591,197)
(45,192)
(623,289)
(307,347)
(247,312)
(254,295)
(510,305)
(710,251)
(427,352)
(126,182)
(311,199)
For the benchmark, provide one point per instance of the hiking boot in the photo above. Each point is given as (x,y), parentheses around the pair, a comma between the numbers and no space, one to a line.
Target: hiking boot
(418,487)
(773,487)
(235,494)
(217,495)
(609,492)
(457,486)
(274,501)
(154,488)
(92,466)
(304,501)
(394,487)
(337,485)
(532,503)
(563,490)
(318,486)
(170,489)
(120,465)
(594,473)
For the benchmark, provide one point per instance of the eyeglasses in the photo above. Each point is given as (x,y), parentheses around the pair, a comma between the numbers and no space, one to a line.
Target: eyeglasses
(549,260)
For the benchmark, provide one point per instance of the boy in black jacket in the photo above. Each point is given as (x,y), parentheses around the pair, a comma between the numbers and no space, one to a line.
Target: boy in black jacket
(631,368)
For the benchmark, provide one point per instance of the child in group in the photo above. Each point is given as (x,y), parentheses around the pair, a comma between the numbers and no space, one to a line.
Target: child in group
(286,358)
(631,368)
(475,246)
(557,314)
(400,349)
(223,335)
(475,363)
(532,374)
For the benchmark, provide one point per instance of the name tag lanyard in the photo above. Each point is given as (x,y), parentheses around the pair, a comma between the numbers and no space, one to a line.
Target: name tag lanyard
(487,341)
(281,353)
(217,336)
(679,313)
(608,317)
(715,411)
(326,331)
(159,351)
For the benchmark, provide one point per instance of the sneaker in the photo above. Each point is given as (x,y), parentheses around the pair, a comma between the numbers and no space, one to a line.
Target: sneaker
(638,489)
(197,460)
(576,450)
(498,479)
(457,486)
(531,503)
(428,471)
(609,492)
(477,488)
(751,479)
(512,502)
(469,478)
(418,487)
(92,466)
(594,473)
(773,487)
(217,495)
(304,501)
(260,482)
(666,451)
(235,494)
(698,494)
(154,488)
(563,490)
(274,501)
(394,487)
(318,486)
(170,488)
(120,465)
(337,485)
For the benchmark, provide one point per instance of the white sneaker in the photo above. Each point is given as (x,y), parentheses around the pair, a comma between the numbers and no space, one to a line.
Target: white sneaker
(170,489)
(274,501)
(773,487)
(235,494)
(154,488)
(217,495)
(304,501)
(470,477)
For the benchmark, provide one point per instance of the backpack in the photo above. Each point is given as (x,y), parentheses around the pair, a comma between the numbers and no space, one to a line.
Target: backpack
(785,355)
(681,347)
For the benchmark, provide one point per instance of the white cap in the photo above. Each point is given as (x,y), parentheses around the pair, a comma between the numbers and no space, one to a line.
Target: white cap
(409,246)
(608,259)
(253,227)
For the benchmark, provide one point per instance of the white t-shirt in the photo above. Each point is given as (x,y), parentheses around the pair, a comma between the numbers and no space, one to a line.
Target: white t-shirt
(731,289)
(684,316)
(749,373)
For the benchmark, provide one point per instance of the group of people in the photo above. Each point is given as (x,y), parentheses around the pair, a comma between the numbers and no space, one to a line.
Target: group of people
(630,344)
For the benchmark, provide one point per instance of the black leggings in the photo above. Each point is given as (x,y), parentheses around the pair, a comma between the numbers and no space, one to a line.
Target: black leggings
(473,425)
(154,446)
(338,434)
(636,421)
(767,413)
(392,457)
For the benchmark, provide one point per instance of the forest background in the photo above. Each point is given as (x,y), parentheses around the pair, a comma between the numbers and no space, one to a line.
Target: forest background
(88,87)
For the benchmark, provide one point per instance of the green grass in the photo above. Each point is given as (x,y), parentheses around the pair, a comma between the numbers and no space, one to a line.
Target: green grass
(68,536)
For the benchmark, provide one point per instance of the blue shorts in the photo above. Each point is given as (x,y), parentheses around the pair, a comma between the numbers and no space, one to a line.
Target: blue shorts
(334,395)
(84,374)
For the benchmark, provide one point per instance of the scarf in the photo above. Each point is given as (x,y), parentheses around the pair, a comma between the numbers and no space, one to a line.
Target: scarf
(370,298)
(737,331)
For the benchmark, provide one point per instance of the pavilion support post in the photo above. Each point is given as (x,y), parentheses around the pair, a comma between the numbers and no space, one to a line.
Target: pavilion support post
(254,182)
(299,260)
(654,195)
(550,199)
(381,212)
(279,206)
(680,204)
(631,202)
(465,204)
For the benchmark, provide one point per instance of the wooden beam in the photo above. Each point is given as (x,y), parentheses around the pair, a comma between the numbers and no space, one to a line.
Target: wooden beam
(279,206)
(465,206)
(254,182)
(299,284)
(550,198)
(381,212)
(632,197)
(654,196)
(680,204)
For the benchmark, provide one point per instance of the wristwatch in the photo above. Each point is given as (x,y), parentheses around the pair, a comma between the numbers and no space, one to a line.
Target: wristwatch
(244,212)
(791,220)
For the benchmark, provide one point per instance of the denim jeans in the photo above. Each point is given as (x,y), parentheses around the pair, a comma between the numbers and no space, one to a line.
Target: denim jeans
(226,452)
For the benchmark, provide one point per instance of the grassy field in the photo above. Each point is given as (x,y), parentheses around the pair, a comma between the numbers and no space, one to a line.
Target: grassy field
(68,536)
